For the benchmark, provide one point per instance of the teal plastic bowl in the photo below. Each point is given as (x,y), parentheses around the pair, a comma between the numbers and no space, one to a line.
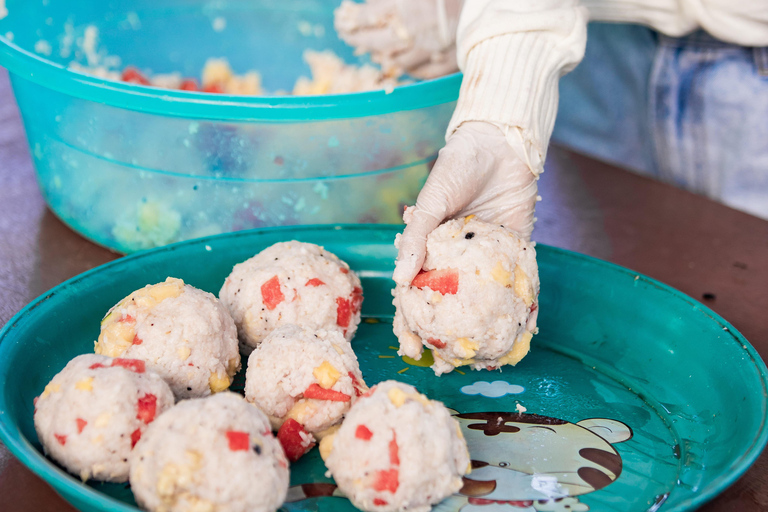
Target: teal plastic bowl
(133,167)
(676,396)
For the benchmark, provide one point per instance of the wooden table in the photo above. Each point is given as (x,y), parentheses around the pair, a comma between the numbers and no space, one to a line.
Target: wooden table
(708,251)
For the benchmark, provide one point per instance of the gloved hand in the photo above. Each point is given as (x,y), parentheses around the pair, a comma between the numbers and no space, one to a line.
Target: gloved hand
(478,172)
(417,37)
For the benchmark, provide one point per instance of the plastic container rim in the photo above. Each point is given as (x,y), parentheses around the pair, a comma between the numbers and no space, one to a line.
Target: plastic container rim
(225,107)
(30,457)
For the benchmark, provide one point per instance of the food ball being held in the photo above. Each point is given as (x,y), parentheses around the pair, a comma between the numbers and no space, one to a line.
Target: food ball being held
(476,300)
(292,283)
(214,453)
(305,381)
(95,410)
(397,450)
(184,334)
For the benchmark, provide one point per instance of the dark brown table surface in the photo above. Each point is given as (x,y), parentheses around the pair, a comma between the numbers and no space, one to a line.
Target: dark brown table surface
(687,241)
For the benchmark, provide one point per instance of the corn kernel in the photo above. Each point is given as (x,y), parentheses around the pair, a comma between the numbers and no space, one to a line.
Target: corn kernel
(85,384)
(326,374)
(218,382)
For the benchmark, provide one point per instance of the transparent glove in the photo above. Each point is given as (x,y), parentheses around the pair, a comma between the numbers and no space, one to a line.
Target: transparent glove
(415,37)
(478,172)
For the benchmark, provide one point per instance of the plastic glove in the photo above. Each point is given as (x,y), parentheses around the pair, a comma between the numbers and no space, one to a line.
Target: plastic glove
(417,37)
(478,172)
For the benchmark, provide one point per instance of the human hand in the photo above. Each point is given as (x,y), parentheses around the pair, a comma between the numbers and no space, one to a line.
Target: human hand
(478,172)
(417,37)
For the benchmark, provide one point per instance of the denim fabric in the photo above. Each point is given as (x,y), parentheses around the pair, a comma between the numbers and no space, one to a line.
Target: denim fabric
(692,111)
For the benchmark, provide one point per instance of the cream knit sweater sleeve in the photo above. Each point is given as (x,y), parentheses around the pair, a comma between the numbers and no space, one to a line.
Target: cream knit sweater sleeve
(513,53)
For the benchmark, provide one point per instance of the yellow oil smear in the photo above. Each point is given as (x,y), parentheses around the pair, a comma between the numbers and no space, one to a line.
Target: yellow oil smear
(426,360)
(523,288)
(102,420)
(301,410)
(468,218)
(326,446)
(218,383)
(183,352)
(85,384)
(519,350)
(326,374)
(470,347)
(501,276)
(52,387)
(327,432)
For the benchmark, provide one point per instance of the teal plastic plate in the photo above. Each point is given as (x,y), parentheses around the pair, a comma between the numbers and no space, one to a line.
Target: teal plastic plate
(634,396)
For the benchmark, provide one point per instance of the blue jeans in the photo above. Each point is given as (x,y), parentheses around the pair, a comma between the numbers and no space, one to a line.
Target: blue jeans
(691,111)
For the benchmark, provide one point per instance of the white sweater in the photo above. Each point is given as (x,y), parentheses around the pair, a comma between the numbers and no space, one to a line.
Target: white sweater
(513,52)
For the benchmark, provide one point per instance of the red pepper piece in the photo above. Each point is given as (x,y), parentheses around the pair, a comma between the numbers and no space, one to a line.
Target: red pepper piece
(134,365)
(294,445)
(445,282)
(436,343)
(379,502)
(189,84)
(134,76)
(81,423)
(534,307)
(147,408)
(137,340)
(62,439)
(343,312)
(369,392)
(394,455)
(357,299)
(387,480)
(238,441)
(314,282)
(214,88)
(344,270)
(362,432)
(315,391)
(135,436)
(271,294)
(96,365)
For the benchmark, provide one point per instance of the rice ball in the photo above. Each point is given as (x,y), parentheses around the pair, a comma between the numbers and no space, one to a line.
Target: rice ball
(184,334)
(476,300)
(397,450)
(95,410)
(292,283)
(310,377)
(214,453)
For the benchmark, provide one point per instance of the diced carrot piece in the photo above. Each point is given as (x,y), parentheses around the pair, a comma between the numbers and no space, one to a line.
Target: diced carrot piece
(189,84)
(379,502)
(362,432)
(147,408)
(134,76)
(238,441)
(214,88)
(436,343)
(394,455)
(134,365)
(81,423)
(62,439)
(315,391)
(445,282)
(271,294)
(387,480)
(343,312)
(135,436)
(294,445)
(137,340)
(314,282)
(357,299)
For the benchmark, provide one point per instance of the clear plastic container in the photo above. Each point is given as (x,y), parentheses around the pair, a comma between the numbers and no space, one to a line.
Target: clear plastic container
(133,167)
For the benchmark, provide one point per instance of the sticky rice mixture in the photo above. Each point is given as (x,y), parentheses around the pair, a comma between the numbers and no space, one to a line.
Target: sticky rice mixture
(475,302)
(184,334)
(214,453)
(92,413)
(292,283)
(312,377)
(397,450)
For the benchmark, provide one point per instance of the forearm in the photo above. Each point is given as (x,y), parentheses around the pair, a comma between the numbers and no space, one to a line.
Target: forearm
(744,22)
(513,55)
